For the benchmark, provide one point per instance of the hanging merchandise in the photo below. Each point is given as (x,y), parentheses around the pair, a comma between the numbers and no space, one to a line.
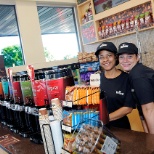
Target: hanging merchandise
(46,131)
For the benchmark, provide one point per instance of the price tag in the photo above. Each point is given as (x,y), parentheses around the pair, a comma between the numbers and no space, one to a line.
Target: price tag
(109,146)
(64,152)
(66,128)
(67,104)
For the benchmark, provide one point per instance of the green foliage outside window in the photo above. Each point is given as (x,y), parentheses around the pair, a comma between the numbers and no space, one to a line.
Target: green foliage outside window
(12,56)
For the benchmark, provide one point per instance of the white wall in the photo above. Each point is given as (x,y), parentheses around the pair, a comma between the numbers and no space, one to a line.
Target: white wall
(31,34)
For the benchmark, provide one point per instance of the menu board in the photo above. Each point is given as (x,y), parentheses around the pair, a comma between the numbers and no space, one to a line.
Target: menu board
(2,67)
(102,5)
(88,33)
(80,1)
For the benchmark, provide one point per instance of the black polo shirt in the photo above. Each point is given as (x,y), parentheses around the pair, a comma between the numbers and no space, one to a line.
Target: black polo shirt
(142,83)
(118,94)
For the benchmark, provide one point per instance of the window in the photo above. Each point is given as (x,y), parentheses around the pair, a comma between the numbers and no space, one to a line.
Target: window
(59,34)
(10,46)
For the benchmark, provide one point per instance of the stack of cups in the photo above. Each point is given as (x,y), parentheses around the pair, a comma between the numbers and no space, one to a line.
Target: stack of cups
(46,131)
(57,109)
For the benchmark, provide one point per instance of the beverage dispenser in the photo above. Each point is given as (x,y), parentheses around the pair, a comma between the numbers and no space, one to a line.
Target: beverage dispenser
(12,105)
(56,82)
(27,96)
(40,96)
(2,107)
(6,102)
(19,111)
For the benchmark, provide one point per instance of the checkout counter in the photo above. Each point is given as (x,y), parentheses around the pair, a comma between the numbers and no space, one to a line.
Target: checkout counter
(132,142)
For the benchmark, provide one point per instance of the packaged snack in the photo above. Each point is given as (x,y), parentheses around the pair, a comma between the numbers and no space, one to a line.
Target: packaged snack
(142,20)
(148,19)
(94,138)
(115,28)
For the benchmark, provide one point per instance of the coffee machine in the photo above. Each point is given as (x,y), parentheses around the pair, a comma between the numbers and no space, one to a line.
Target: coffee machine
(40,96)
(6,103)
(2,106)
(56,82)
(28,103)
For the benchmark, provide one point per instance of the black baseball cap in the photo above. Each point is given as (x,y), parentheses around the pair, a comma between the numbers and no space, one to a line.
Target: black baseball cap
(126,47)
(109,46)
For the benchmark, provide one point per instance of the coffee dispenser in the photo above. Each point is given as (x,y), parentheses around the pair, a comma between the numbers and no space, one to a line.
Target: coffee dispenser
(56,82)
(40,96)
(6,102)
(27,96)
(19,114)
(2,107)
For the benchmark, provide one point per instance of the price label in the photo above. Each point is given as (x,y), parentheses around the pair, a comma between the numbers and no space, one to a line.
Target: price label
(109,146)
(67,104)
(64,152)
(66,128)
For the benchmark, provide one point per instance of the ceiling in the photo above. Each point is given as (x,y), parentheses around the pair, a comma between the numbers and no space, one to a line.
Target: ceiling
(53,20)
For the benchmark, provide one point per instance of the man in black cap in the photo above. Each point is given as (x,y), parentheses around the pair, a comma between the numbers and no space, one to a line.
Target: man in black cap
(114,86)
(141,80)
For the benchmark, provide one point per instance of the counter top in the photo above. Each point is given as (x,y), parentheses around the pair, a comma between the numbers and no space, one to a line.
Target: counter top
(132,142)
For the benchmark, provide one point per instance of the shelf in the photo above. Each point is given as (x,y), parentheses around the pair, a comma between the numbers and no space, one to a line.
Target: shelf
(87,22)
(119,8)
(83,3)
(121,35)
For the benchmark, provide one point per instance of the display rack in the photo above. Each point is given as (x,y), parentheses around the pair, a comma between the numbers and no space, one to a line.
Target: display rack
(93,137)
(93,37)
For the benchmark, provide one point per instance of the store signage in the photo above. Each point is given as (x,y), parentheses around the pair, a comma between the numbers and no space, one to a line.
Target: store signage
(102,5)
(88,33)
(67,104)
(118,2)
(80,1)
(2,67)
(95,80)
(67,128)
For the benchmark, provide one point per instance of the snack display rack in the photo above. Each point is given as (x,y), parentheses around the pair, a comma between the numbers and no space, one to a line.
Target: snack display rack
(92,137)
(83,132)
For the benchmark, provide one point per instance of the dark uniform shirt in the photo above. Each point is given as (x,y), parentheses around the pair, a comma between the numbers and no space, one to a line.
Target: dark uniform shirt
(142,84)
(118,94)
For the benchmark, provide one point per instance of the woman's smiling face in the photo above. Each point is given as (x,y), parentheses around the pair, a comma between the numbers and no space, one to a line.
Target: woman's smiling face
(107,60)
(128,61)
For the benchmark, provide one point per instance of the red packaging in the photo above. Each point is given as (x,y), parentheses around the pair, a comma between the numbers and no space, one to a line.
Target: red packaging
(40,92)
(17,93)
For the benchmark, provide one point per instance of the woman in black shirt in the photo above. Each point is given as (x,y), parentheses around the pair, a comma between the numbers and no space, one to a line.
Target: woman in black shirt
(115,86)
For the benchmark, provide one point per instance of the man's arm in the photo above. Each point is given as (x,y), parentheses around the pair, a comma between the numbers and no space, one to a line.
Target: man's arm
(148,111)
(119,113)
